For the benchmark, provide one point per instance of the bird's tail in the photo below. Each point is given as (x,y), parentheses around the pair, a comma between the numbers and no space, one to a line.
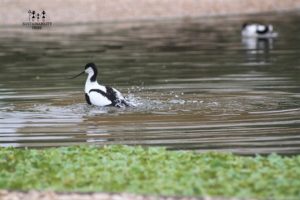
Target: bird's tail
(128,103)
(124,103)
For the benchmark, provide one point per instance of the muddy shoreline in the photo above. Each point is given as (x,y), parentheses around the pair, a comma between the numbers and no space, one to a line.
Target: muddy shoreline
(70,12)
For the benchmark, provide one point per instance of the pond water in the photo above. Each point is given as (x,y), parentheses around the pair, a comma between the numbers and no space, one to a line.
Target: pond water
(198,85)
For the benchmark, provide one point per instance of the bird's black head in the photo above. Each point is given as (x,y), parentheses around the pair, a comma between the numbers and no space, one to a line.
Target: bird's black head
(92,65)
(244,25)
(91,68)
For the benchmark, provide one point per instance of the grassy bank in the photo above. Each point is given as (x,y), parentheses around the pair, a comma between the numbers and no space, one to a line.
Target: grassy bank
(149,171)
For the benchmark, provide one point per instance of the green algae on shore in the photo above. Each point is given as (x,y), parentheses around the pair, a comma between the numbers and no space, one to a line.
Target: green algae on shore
(149,171)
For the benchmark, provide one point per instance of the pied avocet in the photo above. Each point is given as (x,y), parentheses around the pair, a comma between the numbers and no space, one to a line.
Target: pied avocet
(101,95)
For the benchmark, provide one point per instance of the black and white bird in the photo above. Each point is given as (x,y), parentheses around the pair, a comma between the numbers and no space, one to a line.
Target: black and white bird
(258,30)
(100,95)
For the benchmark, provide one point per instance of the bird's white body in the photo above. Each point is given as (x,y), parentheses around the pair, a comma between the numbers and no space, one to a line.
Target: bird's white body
(258,31)
(97,98)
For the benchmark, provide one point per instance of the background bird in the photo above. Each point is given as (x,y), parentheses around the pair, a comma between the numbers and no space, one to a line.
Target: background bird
(258,30)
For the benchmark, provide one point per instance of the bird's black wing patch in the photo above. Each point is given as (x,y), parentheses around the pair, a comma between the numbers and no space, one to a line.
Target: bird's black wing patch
(87,98)
(265,30)
(111,95)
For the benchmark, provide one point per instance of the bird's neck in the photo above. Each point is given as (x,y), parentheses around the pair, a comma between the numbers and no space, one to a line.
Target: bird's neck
(92,76)
(91,82)
(89,85)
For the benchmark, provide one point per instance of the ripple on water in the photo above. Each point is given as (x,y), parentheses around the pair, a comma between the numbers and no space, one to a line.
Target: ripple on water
(177,121)
(199,86)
